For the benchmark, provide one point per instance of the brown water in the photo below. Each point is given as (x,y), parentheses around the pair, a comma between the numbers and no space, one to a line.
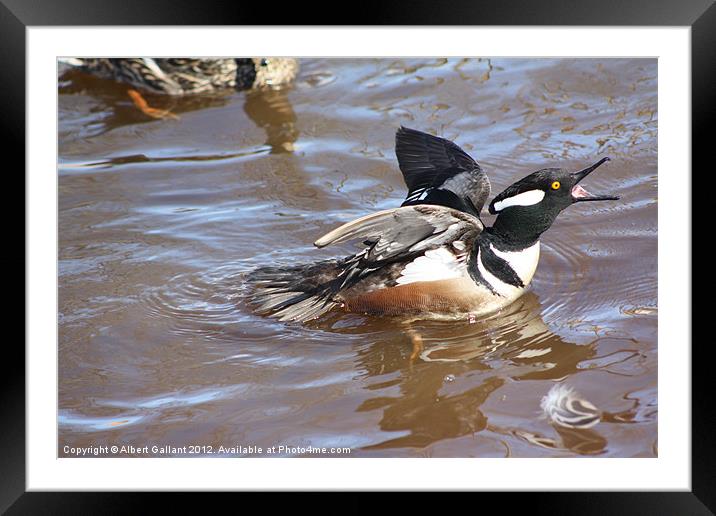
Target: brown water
(158,219)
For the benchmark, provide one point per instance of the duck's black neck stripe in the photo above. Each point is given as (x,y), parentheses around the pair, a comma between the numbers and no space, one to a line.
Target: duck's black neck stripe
(495,265)
(475,273)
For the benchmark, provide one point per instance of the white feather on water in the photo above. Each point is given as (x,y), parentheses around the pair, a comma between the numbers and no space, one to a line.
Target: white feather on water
(565,407)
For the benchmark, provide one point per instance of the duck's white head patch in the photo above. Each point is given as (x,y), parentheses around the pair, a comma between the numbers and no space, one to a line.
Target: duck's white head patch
(524,199)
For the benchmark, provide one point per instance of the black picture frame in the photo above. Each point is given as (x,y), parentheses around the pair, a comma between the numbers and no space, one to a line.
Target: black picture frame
(17,15)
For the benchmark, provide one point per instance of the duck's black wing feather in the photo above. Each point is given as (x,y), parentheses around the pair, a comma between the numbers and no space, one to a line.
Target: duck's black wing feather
(436,171)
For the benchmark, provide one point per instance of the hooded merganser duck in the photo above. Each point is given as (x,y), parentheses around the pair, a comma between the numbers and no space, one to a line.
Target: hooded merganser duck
(188,76)
(432,256)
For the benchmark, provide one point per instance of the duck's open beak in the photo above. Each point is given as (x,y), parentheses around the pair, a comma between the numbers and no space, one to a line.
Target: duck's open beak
(579,194)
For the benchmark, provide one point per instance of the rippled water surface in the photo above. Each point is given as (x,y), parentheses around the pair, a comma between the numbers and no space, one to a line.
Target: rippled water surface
(159,219)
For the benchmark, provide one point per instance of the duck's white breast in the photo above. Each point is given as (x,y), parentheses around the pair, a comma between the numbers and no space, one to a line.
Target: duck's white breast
(523,262)
(439,281)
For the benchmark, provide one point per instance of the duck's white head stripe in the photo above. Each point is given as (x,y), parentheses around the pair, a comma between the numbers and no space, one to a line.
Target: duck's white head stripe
(523,199)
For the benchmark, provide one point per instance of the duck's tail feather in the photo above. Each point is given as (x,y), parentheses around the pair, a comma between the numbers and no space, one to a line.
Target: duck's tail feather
(299,293)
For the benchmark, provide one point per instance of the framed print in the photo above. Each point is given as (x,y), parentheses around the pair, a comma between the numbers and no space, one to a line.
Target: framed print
(347,257)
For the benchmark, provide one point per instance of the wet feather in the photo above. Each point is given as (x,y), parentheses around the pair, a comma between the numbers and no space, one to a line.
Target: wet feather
(565,407)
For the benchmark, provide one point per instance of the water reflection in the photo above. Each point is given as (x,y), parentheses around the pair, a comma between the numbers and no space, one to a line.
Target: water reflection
(269,109)
(115,107)
(578,440)
(272,111)
(512,346)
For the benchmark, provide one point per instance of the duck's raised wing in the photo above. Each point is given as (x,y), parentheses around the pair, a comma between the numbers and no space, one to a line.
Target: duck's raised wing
(402,232)
(436,171)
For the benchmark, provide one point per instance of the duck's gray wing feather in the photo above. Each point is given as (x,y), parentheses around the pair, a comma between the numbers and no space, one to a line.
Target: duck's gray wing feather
(402,232)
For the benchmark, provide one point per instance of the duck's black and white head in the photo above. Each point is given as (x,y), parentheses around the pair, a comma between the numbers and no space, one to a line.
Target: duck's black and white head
(527,208)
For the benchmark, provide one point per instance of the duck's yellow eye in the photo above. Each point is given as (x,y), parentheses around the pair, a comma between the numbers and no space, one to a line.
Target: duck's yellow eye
(556,185)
